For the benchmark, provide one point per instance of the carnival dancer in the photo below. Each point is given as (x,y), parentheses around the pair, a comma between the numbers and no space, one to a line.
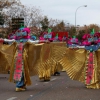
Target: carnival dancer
(73,42)
(84,63)
(19,69)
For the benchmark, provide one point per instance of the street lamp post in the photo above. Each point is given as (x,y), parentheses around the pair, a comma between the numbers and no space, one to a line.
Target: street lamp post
(68,28)
(76,12)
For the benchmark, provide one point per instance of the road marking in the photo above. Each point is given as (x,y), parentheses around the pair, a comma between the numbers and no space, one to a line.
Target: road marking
(50,80)
(46,82)
(12,98)
(53,79)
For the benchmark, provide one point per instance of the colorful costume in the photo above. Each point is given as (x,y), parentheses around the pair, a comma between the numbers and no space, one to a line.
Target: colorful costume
(21,36)
(19,68)
(26,58)
(56,42)
(84,64)
(73,42)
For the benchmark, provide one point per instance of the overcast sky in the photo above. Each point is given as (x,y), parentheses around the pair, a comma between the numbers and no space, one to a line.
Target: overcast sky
(65,10)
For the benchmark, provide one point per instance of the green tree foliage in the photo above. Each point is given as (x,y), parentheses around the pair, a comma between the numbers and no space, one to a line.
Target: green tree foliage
(80,35)
(45,24)
(72,31)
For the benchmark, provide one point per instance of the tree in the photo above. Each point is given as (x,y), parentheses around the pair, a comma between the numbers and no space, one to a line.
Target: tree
(8,3)
(93,26)
(32,16)
(5,5)
(61,26)
(4,19)
(80,35)
(45,23)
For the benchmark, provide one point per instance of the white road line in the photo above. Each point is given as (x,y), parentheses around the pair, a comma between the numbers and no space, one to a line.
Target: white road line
(53,79)
(50,80)
(12,98)
(46,82)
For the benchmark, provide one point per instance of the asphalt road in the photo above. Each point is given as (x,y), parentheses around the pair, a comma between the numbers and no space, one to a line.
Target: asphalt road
(59,88)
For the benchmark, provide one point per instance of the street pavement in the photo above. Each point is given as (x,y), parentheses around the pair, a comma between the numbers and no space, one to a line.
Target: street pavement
(58,88)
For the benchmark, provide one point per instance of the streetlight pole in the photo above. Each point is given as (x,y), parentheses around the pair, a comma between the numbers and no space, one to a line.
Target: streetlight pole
(68,28)
(76,12)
